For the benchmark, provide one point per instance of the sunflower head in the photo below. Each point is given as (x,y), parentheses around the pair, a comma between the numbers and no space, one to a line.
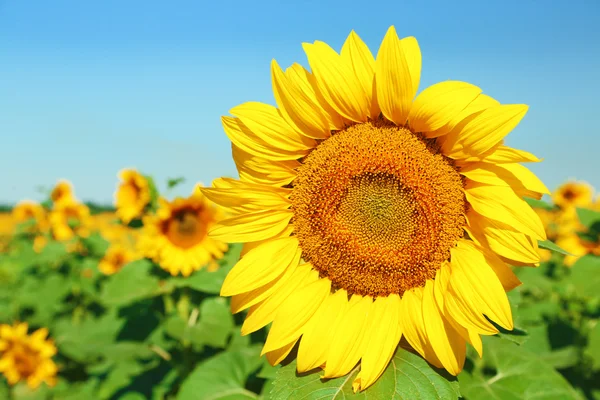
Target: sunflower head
(116,257)
(27,210)
(573,194)
(372,212)
(132,195)
(175,237)
(69,219)
(27,357)
(62,192)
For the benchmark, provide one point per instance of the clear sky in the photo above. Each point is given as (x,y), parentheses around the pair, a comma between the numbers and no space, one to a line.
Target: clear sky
(90,87)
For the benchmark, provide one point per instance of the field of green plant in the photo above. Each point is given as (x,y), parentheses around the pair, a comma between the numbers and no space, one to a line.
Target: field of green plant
(135,331)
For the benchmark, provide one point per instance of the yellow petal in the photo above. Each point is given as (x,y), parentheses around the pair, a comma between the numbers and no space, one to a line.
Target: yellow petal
(230,183)
(413,327)
(484,131)
(503,154)
(245,139)
(481,102)
(250,227)
(261,171)
(473,276)
(337,82)
(244,200)
(266,122)
(265,312)
(319,331)
(357,54)
(294,313)
(519,178)
(439,104)
(465,311)
(260,266)
(502,239)
(245,300)
(383,335)
(276,356)
(412,54)
(394,83)
(448,345)
(347,346)
(298,104)
(440,289)
(502,204)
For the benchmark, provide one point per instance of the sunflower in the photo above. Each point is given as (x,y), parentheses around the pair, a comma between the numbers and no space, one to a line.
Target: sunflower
(116,257)
(62,192)
(28,210)
(176,236)
(132,195)
(369,214)
(24,357)
(69,219)
(573,194)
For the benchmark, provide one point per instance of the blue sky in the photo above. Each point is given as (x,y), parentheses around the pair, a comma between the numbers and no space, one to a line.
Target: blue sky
(90,87)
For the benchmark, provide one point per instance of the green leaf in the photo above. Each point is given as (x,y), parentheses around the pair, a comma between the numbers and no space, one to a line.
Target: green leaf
(588,218)
(222,376)
(172,182)
(134,282)
(539,204)
(548,245)
(96,244)
(407,377)
(510,372)
(593,347)
(585,275)
(202,280)
(213,328)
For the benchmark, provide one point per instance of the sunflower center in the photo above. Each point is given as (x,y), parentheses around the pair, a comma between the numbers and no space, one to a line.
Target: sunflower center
(25,361)
(377,209)
(185,228)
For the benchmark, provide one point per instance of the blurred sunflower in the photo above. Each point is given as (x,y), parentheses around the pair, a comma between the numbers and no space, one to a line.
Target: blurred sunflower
(62,192)
(28,358)
(132,195)
(355,200)
(69,219)
(28,210)
(116,257)
(573,244)
(573,194)
(176,236)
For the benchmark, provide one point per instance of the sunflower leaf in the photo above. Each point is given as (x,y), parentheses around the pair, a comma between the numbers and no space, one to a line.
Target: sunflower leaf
(408,376)
(589,218)
(548,245)
(508,371)
(585,275)
(534,203)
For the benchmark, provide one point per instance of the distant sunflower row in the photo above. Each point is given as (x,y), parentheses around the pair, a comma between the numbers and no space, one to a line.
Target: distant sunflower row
(562,223)
(172,233)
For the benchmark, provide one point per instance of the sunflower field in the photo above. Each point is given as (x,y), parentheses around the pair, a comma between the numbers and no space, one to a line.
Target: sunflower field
(378,243)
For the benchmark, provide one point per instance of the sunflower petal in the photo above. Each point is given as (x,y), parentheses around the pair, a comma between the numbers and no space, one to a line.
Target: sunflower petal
(357,54)
(383,335)
(292,315)
(298,104)
(319,331)
(276,356)
(337,82)
(265,312)
(394,83)
(250,227)
(439,104)
(474,278)
(448,345)
(260,266)
(347,345)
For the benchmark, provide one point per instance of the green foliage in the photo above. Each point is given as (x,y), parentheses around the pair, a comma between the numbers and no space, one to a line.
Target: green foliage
(172,182)
(408,376)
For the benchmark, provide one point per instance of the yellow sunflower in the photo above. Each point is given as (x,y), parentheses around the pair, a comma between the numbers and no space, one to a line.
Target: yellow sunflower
(176,236)
(132,195)
(369,214)
(27,210)
(62,192)
(573,194)
(69,219)
(28,358)
(116,257)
